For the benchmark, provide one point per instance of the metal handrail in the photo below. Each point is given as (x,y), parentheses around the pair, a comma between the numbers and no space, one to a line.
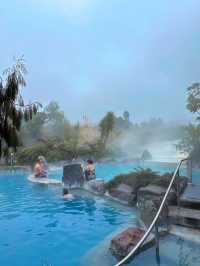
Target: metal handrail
(142,240)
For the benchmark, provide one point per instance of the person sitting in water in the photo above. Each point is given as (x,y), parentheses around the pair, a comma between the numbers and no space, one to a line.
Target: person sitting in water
(43,168)
(43,162)
(90,170)
(66,194)
(39,169)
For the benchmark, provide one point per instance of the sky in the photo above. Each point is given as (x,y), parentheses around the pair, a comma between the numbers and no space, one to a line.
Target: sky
(94,56)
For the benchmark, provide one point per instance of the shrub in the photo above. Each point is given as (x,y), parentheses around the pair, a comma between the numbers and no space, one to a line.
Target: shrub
(56,150)
(136,179)
(143,177)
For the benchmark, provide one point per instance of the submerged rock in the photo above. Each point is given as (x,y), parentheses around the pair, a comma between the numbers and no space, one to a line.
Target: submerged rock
(123,243)
(124,193)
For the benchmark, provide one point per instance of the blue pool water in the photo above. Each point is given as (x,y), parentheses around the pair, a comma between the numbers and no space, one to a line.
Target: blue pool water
(107,171)
(38,227)
(174,251)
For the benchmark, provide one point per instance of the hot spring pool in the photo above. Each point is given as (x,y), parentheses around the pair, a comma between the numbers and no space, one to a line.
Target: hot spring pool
(107,171)
(38,227)
(174,251)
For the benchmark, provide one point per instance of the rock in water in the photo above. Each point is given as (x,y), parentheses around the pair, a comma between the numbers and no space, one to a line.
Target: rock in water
(73,175)
(96,186)
(124,193)
(148,201)
(123,243)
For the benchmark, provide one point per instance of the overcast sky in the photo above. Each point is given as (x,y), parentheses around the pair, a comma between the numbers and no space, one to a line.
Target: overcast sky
(93,56)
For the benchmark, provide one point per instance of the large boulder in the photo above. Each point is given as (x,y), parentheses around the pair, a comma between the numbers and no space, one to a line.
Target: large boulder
(123,193)
(149,199)
(123,243)
(182,184)
(73,175)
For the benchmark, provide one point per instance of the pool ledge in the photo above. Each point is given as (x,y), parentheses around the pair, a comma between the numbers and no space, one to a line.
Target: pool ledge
(186,233)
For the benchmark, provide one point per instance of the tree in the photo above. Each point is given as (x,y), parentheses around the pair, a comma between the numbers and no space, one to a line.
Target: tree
(146,155)
(193,99)
(12,108)
(122,123)
(126,116)
(33,129)
(190,142)
(55,120)
(53,113)
(106,126)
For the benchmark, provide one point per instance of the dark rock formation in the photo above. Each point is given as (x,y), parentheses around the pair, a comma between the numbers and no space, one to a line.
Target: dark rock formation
(73,175)
(149,199)
(96,186)
(123,243)
(124,193)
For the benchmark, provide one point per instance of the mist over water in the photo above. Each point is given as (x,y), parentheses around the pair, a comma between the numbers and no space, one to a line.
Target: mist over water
(164,151)
(132,145)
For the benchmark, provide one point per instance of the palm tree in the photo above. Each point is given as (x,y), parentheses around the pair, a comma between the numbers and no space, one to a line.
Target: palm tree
(106,127)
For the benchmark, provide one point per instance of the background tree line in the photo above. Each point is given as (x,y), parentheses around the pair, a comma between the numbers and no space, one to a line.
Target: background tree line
(32,130)
(190,142)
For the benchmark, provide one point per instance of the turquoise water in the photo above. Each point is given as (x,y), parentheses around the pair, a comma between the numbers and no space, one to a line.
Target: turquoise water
(38,227)
(107,171)
(173,252)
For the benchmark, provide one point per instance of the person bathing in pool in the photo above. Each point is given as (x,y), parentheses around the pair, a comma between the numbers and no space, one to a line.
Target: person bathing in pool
(66,194)
(90,170)
(39,170)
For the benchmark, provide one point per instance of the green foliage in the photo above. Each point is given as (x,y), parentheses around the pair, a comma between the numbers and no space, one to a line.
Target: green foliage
(106,126)
(146,155)
(48,123)
(55,150)
(191,138)
(51,135)
(190,142)
(139,178)
(123,123)
(12,108)
(33,129)
(53,112)
(193,100)
(52,150)
(165,179)
(143,177)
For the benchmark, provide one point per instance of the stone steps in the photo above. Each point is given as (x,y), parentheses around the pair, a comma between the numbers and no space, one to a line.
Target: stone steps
(191,197)
(186,233)
(184,216)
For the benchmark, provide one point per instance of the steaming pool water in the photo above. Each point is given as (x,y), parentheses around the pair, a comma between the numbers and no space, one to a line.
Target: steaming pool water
(39,228)
(107,171)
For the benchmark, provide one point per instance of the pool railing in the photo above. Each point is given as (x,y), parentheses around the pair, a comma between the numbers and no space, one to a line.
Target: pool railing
(154,223)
